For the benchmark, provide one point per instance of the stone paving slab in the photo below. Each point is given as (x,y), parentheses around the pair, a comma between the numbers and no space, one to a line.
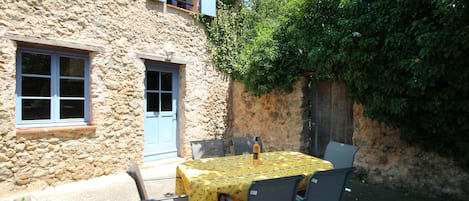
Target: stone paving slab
(106,188)
(159,177)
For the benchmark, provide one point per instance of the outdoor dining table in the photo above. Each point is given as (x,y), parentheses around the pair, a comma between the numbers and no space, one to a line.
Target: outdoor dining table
(205,179)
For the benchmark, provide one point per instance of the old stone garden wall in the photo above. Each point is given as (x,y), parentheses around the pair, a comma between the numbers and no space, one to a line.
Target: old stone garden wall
(277,117)
(384,158)
(115,32)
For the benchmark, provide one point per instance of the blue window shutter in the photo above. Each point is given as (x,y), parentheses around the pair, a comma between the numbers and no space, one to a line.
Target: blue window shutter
(208,7)
(162,0)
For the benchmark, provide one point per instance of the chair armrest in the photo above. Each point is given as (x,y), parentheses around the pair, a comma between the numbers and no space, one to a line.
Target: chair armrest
(160,178)
(299,198)
(348,190)
(175,198)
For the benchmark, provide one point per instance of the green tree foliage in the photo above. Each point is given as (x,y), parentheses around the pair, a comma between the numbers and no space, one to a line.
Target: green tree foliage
(405,61)
(410,70)
(235,34)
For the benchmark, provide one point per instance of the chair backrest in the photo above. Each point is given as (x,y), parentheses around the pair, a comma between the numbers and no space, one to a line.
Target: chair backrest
(134,172)
(341,155)
(244,144)
(327,185)
(281,189)
(207,148)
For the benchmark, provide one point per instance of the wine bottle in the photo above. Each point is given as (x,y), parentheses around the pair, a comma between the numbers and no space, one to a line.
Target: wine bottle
(256,152)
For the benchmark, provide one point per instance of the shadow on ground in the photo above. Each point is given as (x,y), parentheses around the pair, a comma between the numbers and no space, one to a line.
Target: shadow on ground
(372,192)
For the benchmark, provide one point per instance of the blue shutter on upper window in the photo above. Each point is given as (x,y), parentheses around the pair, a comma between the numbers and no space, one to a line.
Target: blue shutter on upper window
(162,0)
(208,7)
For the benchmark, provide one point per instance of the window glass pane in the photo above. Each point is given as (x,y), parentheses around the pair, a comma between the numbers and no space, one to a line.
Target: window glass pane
(166,102)
(35,63)
(72,67)
(35,86)
(35,109)
(153,80)
(153,102)
(166,81)
(172,2)
(186,4)
(72,88)
(72,109)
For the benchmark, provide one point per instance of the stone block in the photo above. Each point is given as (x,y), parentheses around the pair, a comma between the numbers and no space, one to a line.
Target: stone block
(3,157)
(10,153)
(38,173)
(5,173)
(23,178)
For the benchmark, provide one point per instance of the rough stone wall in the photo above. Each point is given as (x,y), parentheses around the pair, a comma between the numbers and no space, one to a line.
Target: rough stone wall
(277,117)
(123,28)
(7,106)
(383,158)
(205,109)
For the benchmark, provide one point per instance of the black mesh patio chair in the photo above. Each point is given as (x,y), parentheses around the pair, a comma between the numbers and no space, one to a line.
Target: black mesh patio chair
(134,172)
(326,185)
(278,189)
(341,155)
(244,144)
(207,148)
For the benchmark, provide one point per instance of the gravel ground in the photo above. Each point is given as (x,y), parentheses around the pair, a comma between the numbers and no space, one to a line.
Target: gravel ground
(369,192)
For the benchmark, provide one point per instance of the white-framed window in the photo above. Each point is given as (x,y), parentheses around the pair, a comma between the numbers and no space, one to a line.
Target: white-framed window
(51,87)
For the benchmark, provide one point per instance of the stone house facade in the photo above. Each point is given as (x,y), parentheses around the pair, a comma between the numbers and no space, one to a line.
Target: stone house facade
(85,85)
(143,65)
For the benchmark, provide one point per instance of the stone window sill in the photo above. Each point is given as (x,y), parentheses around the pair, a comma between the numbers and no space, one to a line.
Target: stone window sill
(53,130)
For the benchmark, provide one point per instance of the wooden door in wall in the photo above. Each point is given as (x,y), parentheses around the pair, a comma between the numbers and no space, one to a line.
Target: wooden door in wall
(331,116)
(161,95)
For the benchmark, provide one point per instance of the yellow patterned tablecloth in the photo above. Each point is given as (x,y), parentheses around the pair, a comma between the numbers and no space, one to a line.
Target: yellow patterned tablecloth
(204,179)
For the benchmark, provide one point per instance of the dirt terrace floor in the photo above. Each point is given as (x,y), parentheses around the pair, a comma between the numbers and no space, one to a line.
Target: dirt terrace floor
(369,192)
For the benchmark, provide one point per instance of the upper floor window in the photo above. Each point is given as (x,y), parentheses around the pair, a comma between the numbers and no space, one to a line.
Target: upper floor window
(185,4)
(206,7)
(52,87)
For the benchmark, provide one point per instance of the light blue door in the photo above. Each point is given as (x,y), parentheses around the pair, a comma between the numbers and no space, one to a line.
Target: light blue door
(161,95)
